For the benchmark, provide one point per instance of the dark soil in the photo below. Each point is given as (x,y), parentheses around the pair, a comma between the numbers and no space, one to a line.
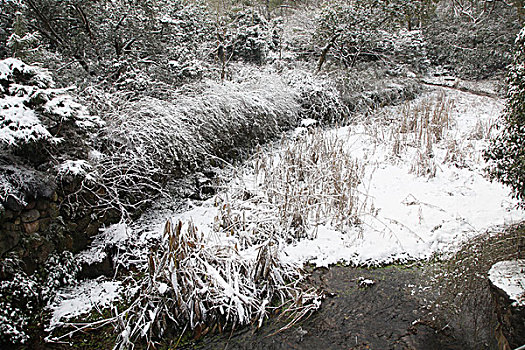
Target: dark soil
(390,314)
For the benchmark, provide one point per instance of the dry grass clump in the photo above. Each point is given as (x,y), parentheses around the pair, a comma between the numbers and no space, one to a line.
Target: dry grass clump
(421,126)
(311,181)
(205,283)
(483,130)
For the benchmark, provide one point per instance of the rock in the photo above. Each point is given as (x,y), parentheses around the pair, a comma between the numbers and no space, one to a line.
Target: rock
(44,223)
(505,278)
(8,215)
(32,227)
(30,216)
(79,241)
(30,205)
(8,240)
(93,229)
(103,268)
(48,192)
(13,204)
(42,204)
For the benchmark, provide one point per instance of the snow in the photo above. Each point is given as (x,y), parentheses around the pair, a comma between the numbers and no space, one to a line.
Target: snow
(17,122)
(22,120)
(74,167)
(81,299)
(365,282)
(408,217)
(41,76)
(404,214)
(509,276)
(111,236)
(308,122)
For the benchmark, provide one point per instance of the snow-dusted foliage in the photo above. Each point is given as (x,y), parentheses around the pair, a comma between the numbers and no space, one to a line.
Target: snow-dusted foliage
(249,37)
(32,110)
(150,139)
(319,97)
(23,296)
(33,114)
(473,41)
(507,151)
(372,31)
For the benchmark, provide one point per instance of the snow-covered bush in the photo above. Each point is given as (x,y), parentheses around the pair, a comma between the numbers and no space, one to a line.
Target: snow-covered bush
(18,300)
(319,97)
(474,48)
(22,296)
(507,150)
(150,140)
(34,114)
(372,31)
(250,37)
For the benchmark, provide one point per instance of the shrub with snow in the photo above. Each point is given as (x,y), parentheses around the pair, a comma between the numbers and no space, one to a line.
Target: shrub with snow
(473,47)
(250,37)
(35,115)
(507,151)
(22,296)
(370,31)
(151,140)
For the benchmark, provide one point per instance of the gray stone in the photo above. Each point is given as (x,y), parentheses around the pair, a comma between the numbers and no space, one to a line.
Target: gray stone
(510,328)
(8,215)
(13,204)
(30,216)
(30,205)
(42,204)
(32,227)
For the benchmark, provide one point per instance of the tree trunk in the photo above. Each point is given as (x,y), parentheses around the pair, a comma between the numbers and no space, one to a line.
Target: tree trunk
(324,52)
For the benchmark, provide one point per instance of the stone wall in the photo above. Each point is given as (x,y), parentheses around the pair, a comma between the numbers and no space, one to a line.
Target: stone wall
(45,225)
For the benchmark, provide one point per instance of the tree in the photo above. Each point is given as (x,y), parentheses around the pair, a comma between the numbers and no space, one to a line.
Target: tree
(507,151)
(366,29)
(114,39)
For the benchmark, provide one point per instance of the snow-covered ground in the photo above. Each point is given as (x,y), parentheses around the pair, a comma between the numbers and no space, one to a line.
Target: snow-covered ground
(409,215)
(420,190)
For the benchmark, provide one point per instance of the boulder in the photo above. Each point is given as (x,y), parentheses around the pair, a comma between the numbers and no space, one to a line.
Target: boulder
(507,286)
(30,215)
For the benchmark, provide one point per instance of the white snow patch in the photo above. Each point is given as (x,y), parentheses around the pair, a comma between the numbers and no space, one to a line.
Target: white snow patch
(9,65)
(81,299)
(308,122)
(17,122)
(509,276)
(112,236)
(74,167)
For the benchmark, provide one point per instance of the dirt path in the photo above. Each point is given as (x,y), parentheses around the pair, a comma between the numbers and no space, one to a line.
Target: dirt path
(389,314)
